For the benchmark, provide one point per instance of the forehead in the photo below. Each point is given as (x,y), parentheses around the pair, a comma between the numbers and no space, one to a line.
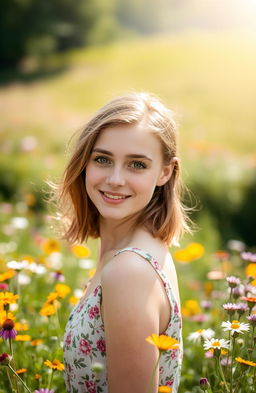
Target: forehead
(127,139)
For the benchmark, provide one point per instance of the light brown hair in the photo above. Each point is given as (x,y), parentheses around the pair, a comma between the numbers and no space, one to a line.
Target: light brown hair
(165,216)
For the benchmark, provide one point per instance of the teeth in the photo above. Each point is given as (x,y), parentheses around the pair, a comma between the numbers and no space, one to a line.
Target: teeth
(114,196)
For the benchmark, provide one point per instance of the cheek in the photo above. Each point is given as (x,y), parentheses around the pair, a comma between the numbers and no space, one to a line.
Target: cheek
(145,184)
(92,176)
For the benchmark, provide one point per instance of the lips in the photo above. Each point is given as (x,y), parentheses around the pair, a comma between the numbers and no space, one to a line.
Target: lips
(114,195)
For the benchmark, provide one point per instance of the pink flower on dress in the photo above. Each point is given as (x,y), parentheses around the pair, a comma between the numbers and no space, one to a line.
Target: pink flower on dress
(90,386)
(101,345)
(96,290)
(85,346)
(79,309)
(176,309)
(173,354)
(169,382)
(156,264)
(93,312)
(68,338)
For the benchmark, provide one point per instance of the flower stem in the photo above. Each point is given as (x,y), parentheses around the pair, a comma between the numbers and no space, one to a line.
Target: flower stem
(50,380)
(19,378)
(152,375)
(221,373)
(13,362)
(231,365)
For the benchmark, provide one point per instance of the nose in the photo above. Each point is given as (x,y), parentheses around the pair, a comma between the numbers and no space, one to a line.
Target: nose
(115,177)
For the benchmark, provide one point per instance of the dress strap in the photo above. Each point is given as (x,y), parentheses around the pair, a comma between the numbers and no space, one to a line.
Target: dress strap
(156,266)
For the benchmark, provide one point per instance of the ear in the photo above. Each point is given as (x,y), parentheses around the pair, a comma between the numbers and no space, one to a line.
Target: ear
(166,172)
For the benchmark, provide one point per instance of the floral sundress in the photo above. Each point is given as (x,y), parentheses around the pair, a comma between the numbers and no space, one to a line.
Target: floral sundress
(84,341)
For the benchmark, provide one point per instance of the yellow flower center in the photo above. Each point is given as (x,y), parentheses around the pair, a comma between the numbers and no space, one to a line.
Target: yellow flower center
(216,344)
(200,331)
(235,324)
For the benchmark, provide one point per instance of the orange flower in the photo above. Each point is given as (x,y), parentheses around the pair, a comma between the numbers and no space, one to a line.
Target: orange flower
(55,364)
(36,342)
(62,290)
(50,245)
(7,275)
(23,337)
(20,326)
(73,300)
(8,298)
(250,270)
(81,251)
(190,253)
(164,389)
(48,310)
(163,342)
(37,376)
(245,362)
(21,371)
(191,308)
(51,298)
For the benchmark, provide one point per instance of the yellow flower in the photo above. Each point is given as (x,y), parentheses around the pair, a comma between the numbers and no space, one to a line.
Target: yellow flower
(37,376)
(48,310)
(55,364)
(250,270)
(23,337)
(36,342)
(246,362)
(4,316)
(253,282)
(191,308)
(50,245)
(8,298)
(21,371)
(62,290)
(190,253)
(73,300)
(7,275)
(81,251)
(51,297)
(20,326)
(164,389)
(163,342)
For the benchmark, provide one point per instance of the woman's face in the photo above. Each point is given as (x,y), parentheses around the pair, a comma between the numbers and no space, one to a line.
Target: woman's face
(124,168)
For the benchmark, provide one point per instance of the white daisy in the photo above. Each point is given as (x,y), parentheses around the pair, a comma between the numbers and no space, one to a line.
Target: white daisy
(201,333)
(215,343)
(235,326)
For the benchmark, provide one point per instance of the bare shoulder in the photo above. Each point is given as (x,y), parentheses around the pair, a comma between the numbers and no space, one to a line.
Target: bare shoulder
(131,313)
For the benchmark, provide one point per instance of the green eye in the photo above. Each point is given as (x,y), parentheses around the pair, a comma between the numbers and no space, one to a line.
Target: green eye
(101,160)
(138,165)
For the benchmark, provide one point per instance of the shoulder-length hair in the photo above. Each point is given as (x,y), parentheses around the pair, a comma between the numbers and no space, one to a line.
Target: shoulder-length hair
(165,216)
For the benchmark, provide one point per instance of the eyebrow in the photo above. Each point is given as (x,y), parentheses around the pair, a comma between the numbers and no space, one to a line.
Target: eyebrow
(97,150)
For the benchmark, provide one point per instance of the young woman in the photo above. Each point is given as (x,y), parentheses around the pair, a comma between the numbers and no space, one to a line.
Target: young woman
(122,186)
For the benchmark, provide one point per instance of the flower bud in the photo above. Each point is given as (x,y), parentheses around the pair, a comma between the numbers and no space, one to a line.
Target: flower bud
(204,384)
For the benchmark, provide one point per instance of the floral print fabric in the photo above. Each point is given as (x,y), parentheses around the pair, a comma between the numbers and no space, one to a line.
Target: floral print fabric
(84,341)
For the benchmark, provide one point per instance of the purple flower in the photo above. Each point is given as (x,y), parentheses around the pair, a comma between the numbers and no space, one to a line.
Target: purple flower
(252,319)
(5,359)
(241,308)
(233,281)
(204,384)
(248,256)
(44,391)
(206,304)
(8,330)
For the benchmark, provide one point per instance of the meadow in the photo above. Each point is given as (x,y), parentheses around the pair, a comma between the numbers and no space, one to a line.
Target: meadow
(207,79)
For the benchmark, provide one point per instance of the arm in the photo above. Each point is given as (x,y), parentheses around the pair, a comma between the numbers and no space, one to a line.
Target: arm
(131,302)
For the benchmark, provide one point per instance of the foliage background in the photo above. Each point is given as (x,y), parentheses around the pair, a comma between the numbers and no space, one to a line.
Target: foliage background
(62,59)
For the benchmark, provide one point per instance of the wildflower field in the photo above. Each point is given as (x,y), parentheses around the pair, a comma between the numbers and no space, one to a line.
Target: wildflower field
(208,80)
(38,290)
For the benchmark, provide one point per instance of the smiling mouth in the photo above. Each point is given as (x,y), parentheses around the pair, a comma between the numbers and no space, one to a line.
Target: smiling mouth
(114,196)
